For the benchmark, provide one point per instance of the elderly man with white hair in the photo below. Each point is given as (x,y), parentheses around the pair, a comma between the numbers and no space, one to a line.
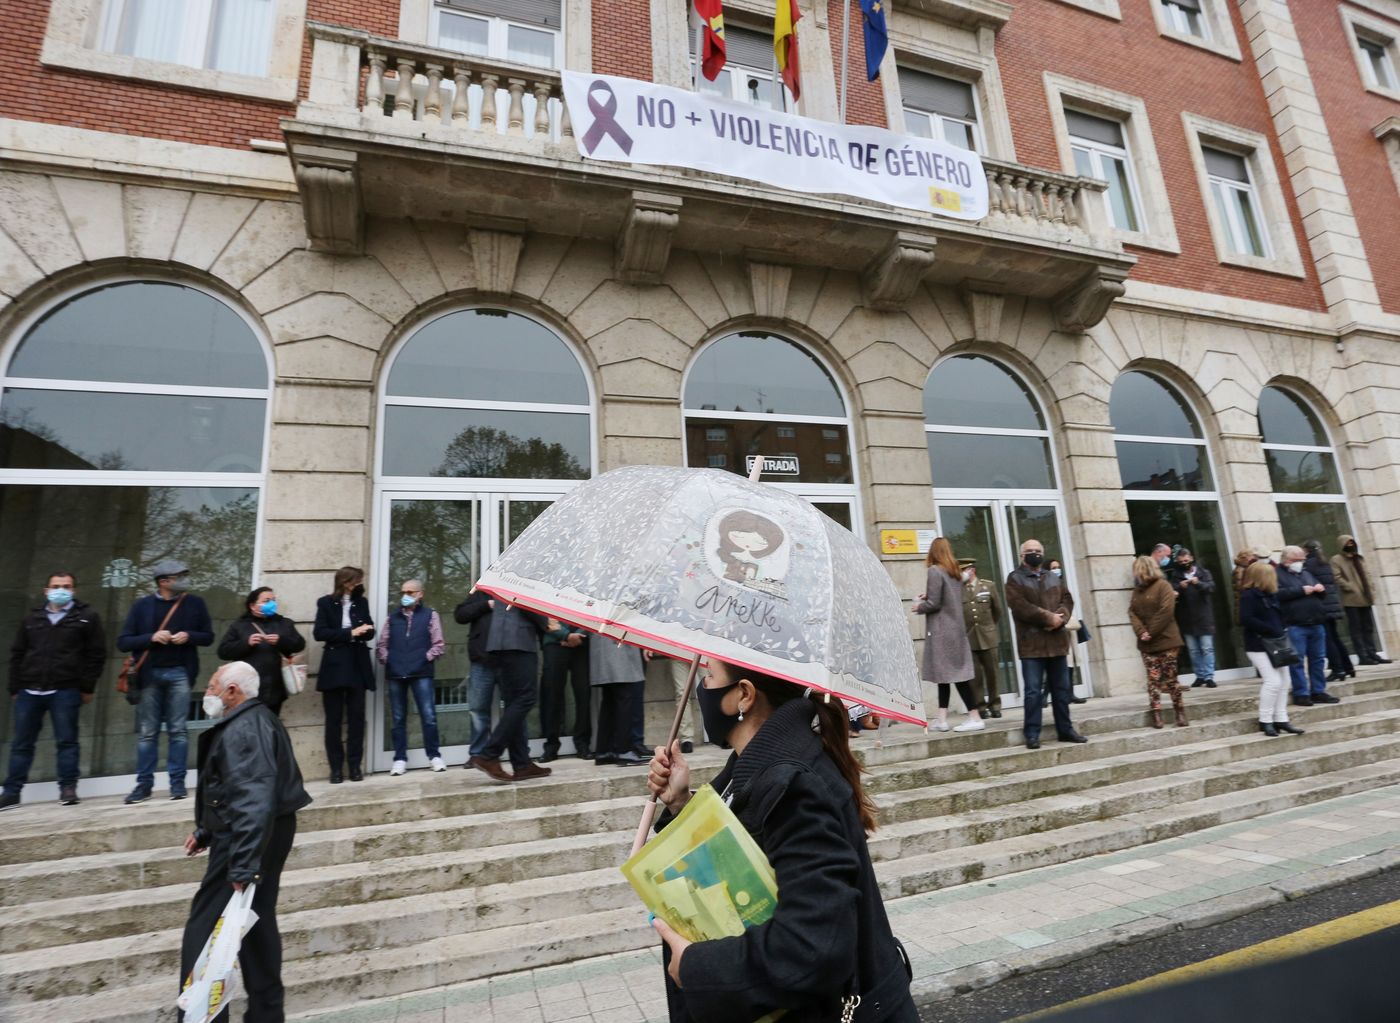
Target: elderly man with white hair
(1302,599)
(249,792)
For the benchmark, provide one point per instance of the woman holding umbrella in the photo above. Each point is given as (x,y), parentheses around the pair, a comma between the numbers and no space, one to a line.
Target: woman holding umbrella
(797,790)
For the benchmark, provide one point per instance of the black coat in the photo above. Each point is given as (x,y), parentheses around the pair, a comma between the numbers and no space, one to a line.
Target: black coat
(266,657)
(345,662)
(1260,618)
(1195,605)
(143,621)
(1321,570)
(476,612)
(248,777)
(829,935)
(1299,608)
(68,655)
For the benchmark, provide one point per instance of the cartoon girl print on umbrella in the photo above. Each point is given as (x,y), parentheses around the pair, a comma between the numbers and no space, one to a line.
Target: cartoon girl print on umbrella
(752,550)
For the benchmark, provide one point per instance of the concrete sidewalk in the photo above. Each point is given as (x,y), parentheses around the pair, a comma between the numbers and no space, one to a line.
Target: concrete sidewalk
(976,934)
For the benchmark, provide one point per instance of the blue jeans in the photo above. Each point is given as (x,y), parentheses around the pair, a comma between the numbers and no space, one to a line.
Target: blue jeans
(62,707)
(1036,674)
(1202,651)
(424,697)
(481,699)
(1311,643)
(165,697)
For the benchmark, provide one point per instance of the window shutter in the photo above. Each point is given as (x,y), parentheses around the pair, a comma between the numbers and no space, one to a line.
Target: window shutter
(1225,165)
(545,13)
(1186,5)
(743,46)
(1094,129)
(934,94)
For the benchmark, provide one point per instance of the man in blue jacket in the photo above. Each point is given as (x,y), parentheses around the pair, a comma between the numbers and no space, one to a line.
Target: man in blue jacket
(164,631)
(1304,613)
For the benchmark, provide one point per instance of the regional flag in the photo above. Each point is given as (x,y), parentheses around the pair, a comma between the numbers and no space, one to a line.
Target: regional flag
(877,36)
(712,55)
(785,45)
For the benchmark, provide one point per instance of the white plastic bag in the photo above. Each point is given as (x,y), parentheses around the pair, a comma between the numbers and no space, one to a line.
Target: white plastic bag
(216,977)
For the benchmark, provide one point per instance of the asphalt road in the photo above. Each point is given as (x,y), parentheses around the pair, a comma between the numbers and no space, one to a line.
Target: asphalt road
(1019,996)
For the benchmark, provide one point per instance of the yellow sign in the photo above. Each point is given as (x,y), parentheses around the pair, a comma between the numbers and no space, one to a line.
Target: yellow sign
(899,541)
(944,199)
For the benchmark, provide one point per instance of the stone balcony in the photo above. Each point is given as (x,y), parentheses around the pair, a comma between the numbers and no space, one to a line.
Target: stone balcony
(489,145)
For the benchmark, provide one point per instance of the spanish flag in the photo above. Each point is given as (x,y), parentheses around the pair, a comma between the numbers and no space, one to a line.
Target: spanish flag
(785,20)
(712,57)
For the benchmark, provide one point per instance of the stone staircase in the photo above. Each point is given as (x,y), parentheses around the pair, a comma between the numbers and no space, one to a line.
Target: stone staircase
(401,884)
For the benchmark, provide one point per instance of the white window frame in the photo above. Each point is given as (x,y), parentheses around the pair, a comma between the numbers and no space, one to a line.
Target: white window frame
(1329,449)
(738,93)
(1229,213)
(1377,31)
(1156,226)
(81,33)
(1219,35)
(497,33)
(1096,152)
(1276,224)
(978,69)
(1179,18)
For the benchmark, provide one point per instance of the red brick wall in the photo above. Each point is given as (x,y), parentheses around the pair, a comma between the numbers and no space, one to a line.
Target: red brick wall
(865,102)
(1130,56)
(1351,113)
(622,38)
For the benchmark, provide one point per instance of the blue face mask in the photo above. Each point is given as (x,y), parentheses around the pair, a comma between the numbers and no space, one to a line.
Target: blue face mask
(60,596)
(408,601)
(1165,562)
(268,607)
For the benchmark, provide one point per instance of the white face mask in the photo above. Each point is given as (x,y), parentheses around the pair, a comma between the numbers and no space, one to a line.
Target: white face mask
(213,706)
(1057,572)
(1296,567)
(967,575)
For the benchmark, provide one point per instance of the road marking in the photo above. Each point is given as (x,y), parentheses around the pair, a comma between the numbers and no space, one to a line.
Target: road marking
(1333,932)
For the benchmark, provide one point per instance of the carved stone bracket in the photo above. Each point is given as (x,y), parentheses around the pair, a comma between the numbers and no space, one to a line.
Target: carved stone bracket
(894,275)
(644,246)
(769,283)
(329,182)
(1085,304)
(495,255)
(984,310)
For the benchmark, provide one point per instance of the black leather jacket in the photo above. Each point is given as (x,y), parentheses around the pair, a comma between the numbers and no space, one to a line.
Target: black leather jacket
(248,777)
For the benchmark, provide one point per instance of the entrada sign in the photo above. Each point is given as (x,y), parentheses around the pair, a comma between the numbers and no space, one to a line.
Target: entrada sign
(774,465)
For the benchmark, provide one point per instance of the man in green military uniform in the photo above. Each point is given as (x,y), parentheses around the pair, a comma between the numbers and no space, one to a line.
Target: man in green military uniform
(981,613)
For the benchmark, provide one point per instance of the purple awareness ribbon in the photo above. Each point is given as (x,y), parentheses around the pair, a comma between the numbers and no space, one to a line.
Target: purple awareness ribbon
(605,120)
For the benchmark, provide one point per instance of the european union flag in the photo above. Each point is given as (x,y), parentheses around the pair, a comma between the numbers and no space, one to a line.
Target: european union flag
(877,36)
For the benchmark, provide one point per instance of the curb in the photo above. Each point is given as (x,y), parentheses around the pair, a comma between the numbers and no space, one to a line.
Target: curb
(1205,913)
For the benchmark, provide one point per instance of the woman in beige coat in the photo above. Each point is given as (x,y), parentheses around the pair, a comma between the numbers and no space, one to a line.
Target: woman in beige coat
(1153,614)
(947,652)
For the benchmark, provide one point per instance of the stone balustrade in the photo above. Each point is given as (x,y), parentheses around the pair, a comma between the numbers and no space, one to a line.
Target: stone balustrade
(1047,200)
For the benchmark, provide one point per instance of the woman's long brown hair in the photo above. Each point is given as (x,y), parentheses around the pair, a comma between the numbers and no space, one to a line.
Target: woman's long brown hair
(940,554)
(347,578)
(833,725)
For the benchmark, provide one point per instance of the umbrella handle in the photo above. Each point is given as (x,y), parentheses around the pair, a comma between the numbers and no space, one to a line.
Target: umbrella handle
(649,813)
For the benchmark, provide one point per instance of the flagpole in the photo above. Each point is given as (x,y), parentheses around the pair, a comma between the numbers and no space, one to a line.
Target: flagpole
(845,45)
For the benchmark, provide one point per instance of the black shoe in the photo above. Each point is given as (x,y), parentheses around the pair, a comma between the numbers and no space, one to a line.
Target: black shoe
(605,758)
(584,753)
(138,795)
(687,747)
(1267,727)
(355,774)
(1033,743)
(1324,698)
(1210,683)
(1370,661)
(9,800)
(1334,676)
(996,711)
(1078,699)
(643,752)
(1287,726)
(178,792)
(631,759)
(1302,701)
(1382,660)
(1071,737)
(68,795)
(549,756)
(1200,683)
(337,777)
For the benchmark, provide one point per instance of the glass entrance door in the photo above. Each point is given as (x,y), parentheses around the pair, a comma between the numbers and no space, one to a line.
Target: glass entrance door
(992,531)
(445,541)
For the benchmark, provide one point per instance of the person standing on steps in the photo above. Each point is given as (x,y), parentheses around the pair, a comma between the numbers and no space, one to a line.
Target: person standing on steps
(344,625)
(408,646)
(947,658)
(245,812)
(1041,606)
(514,642)
(1195,614)
(481,687)
(619,674)
(164,631)
(265,638)
(1339,664)
(1301,597)
(1072,659)
(55,662)
(1152,612)
(981,615)
(1358,598)
(1261,619)
(565,655)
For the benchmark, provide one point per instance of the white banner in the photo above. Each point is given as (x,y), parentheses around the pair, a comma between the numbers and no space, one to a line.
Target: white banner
(629,121)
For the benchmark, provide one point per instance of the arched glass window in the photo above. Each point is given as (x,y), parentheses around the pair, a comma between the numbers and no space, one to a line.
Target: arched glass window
(754,393)
(1170,489)
(1302,469)
(985,429)
(486,394)
(133,421)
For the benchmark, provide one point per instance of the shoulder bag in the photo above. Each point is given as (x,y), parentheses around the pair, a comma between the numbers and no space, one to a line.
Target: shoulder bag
(293,672)
(1280,651)
(131,667)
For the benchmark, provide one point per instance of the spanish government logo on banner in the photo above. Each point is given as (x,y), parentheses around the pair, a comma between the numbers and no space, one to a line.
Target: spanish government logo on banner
(642,123)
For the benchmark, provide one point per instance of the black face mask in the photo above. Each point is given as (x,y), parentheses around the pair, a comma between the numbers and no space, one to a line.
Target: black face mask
(1033,559)
(1350,548)
(357,592)
(718,724)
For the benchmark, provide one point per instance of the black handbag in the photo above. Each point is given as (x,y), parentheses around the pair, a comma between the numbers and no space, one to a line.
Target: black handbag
(1280,651)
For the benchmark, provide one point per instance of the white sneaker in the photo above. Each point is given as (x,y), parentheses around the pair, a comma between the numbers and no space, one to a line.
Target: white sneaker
(436,764)
(938,726)
(400,766)
(971,725)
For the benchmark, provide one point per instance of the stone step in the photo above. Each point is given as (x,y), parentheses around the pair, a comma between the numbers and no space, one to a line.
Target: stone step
(334,920)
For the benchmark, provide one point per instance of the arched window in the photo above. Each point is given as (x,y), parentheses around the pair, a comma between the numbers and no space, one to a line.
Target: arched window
(1170,489)
(132,429)
(1302,469)
(754,393)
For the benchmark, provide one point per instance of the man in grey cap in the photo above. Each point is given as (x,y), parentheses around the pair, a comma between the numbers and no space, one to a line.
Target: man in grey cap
(163,632)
